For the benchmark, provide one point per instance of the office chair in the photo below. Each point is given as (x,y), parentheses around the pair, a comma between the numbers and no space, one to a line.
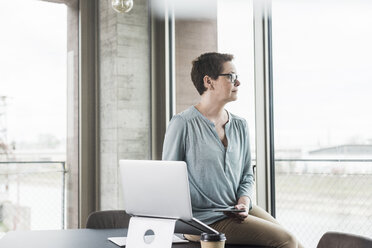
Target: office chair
(343,240)
(108,219)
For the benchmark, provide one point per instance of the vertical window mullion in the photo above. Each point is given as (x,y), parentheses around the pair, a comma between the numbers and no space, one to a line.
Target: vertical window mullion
(263,96)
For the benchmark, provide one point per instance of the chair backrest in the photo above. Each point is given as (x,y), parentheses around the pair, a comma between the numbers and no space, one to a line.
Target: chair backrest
(343,240)
(108,219)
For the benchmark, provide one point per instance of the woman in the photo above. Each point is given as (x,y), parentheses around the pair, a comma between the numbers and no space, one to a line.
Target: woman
(215,145)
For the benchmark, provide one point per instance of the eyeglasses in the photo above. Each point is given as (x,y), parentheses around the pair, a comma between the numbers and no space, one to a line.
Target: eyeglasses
(232,76)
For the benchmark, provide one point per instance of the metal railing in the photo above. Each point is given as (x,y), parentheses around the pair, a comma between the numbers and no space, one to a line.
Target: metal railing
(314,196)
(32,195)
(321,160)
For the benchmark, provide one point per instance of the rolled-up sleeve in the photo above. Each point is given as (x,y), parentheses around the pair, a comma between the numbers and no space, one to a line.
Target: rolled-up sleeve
(246,185)
(175,140)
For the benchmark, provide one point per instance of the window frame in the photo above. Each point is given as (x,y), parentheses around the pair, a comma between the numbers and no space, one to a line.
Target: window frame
(265,160)
(89,171)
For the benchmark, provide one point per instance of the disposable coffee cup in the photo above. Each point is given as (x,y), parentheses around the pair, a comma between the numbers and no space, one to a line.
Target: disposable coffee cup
(209,240)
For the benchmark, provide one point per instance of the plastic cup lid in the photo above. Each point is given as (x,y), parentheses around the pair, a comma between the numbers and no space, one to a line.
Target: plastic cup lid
(212,237)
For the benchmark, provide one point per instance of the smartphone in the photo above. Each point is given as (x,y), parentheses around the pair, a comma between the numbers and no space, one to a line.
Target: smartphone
(233,210)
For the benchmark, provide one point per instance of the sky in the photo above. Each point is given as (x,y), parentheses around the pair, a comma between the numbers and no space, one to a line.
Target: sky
(33,68)
(322,72)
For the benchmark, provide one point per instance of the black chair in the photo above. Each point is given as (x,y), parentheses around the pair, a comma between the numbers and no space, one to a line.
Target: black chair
(343,240)
(108,219)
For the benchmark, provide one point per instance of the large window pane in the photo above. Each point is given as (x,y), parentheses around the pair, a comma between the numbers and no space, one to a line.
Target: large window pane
(33,48)
(322,87)
(232,16)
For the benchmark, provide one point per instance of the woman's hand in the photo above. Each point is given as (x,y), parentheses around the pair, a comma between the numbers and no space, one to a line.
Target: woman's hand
(243,204)
(242,215)
(238,216)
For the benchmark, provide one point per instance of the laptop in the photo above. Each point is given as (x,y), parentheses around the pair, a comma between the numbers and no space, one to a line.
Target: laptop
(160,189)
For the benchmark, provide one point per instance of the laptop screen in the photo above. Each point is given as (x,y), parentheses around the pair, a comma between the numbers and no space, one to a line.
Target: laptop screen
(156,188)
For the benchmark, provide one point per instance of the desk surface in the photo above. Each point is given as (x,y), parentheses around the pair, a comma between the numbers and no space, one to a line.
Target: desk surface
(82,238)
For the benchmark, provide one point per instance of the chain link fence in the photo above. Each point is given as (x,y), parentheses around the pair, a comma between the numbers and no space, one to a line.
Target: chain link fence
(313,197)
(32,195)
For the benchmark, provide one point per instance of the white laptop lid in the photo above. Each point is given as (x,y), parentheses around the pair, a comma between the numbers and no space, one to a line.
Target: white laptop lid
(156,188)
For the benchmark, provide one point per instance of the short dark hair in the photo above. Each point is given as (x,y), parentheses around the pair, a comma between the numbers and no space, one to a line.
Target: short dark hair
(210,64)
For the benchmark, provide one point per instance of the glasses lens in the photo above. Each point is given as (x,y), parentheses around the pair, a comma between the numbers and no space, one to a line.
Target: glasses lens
(233,77)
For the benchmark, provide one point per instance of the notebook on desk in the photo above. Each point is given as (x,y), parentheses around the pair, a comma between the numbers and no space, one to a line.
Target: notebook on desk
(160,189)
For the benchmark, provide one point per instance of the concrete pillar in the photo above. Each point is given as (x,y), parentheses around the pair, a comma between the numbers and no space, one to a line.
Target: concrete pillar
(124,94)
(72,156)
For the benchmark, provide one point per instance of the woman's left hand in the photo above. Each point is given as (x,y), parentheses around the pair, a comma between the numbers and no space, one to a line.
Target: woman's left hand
(243,203)
(241,215)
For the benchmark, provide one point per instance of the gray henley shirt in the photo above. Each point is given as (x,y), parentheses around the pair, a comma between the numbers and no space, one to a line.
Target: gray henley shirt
(218,176)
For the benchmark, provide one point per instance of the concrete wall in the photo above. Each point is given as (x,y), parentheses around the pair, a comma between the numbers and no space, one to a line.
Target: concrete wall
(193,37)
(124,94)
(191,41)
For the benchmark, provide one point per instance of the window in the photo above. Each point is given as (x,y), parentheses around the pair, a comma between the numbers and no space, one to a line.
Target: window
(323,136)
(232,16)
(33,114)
